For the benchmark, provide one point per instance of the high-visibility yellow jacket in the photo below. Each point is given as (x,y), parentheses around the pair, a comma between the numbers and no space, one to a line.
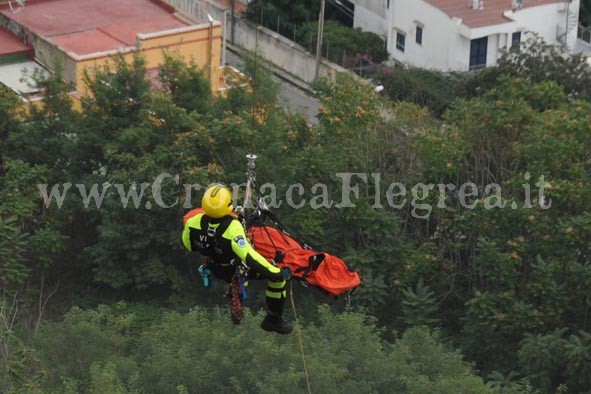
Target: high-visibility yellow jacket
(226,249)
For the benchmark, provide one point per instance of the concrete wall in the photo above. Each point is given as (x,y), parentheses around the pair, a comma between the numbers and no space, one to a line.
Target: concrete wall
(274,48)
(376,7)
(372,15)
(198,9)
(13,27)
(49,55)
(46,53)
(545,19)
(283,53)
(442,48)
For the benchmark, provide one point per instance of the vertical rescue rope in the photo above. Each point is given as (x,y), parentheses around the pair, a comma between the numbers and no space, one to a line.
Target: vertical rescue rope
(299,331)
(254,91)
(250,174)
(251,179)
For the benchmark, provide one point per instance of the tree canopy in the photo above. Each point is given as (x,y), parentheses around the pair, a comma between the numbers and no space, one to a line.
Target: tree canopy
(487,292)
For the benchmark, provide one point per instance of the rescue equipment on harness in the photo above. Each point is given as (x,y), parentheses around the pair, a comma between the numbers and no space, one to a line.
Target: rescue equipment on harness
(314,268)
(238,294)
(270,238)
(205,275)
(317,269)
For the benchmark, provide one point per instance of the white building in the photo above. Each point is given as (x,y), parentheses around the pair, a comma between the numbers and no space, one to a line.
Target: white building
(461,35)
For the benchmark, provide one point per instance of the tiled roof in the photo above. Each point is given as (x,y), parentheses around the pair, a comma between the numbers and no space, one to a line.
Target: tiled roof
(490,14)
(83,27)
(10,44)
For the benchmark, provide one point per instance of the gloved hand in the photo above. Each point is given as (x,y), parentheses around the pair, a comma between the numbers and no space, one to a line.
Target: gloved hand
(286,273)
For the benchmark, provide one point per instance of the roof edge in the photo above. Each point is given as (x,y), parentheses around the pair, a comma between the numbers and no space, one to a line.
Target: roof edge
(178,30)
(94,55)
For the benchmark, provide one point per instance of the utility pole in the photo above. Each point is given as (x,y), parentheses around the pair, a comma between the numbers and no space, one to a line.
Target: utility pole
(210,47)
(566,27)
(224,37)
(232,19)
(319,39)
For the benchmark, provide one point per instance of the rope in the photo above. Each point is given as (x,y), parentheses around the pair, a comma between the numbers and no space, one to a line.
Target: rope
(250,175)
(254,91)
(297,325)
(236,308)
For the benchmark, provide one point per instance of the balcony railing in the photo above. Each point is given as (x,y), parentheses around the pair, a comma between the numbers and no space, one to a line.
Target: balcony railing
(584,34)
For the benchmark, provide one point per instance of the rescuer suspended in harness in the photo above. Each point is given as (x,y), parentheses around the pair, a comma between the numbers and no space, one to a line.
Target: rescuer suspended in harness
(215,233)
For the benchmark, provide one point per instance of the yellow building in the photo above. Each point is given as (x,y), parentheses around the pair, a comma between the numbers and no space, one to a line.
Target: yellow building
(85,34)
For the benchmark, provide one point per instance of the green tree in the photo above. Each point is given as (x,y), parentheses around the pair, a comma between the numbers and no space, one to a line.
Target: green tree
(186,83)
(341,43)
(53,122)
(106,349)
(427,88)
(419,305)
(520,263)
(538,61)
(9,109)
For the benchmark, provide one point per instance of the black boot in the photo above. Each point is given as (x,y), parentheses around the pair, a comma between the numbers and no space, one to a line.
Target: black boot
(277,324)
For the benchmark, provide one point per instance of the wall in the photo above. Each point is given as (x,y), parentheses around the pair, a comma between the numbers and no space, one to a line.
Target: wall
(46,53)
(50,56)
(544,20)
(492,53)
(442,49)
(191,45)
(446,44)
(376,7)
(371,16)
(11,26)
(274,48)
(198,9)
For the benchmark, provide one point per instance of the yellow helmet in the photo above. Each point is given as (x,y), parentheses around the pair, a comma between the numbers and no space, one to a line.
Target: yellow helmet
(217,201)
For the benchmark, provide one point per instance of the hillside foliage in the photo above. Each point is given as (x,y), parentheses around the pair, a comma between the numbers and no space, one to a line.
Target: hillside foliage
(98,294)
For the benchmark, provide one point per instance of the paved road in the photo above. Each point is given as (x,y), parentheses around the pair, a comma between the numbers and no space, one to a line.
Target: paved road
(292,98)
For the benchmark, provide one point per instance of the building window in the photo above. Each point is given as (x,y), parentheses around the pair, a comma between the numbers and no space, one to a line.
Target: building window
(388,4)
(516,40)
(478,49)
(400,41)
(419,35)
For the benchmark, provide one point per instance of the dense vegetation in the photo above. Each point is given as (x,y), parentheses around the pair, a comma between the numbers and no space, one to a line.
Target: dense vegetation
(536,61)
(103,299)
(344,45)
(298,21)
(294,13)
